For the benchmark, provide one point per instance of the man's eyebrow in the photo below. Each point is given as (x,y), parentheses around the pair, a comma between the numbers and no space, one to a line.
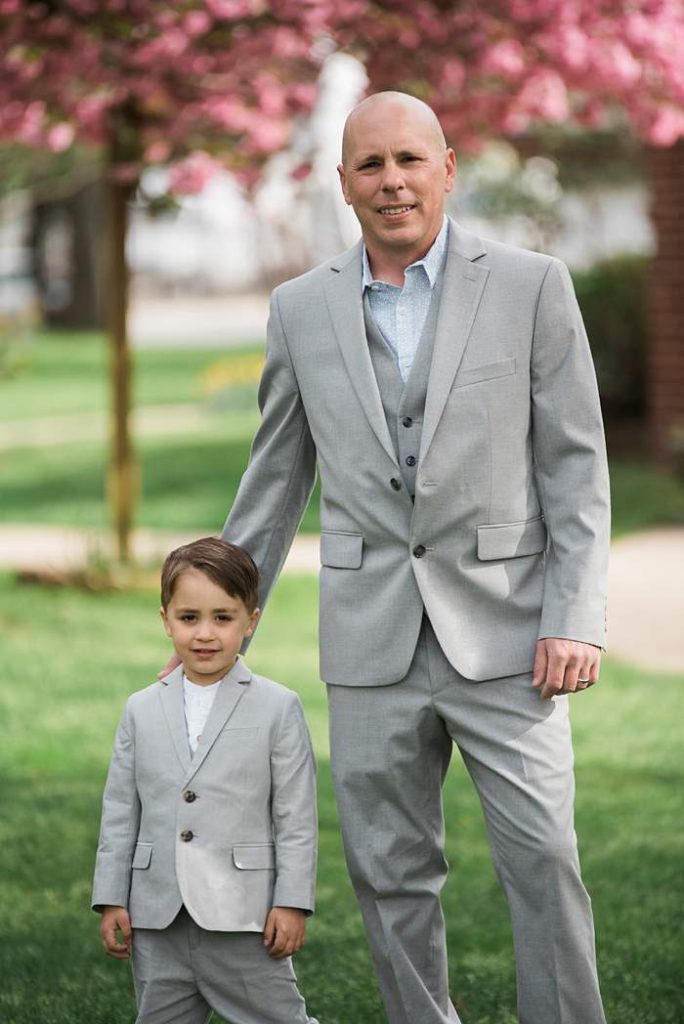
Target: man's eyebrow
(409,151)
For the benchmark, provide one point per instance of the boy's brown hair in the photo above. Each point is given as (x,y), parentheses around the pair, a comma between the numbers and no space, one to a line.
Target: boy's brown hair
(227,565)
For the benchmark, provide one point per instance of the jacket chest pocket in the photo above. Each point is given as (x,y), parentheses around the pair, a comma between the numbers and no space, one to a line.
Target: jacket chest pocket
(488,371)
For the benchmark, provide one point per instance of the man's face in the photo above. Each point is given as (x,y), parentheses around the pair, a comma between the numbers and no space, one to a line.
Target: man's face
(396,173)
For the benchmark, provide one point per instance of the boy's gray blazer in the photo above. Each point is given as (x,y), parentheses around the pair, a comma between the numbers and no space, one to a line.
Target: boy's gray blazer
(229,832)
(507,539)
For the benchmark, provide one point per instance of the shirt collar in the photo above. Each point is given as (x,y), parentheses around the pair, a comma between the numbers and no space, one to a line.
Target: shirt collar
(431,262)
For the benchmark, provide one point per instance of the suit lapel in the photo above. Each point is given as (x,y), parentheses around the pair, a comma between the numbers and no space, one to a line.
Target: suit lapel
(229,693)
(462,289)
(345,305)
(171,697)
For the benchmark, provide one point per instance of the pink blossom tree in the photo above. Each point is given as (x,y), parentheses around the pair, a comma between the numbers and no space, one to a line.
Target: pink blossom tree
(149,82)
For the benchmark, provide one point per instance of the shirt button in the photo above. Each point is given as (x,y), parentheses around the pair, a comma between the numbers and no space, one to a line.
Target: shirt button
(407,421)
(186,835)
(189,796)
(395,484)
(419,551)
(411,460)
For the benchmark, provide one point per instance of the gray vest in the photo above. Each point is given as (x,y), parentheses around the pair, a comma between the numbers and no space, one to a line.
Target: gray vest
(404,403)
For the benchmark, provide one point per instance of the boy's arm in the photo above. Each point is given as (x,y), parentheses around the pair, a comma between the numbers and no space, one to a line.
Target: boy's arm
(120,822)
(293,810)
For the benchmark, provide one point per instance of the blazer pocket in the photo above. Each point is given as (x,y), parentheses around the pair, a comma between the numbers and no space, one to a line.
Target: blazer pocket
(341,550)
(254,857)
(142,855)
(511,540)
(488,371)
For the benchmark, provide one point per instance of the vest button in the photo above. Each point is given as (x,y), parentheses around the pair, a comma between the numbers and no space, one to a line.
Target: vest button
(411,460)
(419,551)
(186,835)
(407,421)
(189,796)
(395,484)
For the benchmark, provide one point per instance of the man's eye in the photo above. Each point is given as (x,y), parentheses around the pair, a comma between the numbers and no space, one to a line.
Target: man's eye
(369,164)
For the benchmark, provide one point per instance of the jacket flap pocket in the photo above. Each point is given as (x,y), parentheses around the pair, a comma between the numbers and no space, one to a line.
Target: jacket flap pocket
(254,857)
(488,371)
(509,540)
(142,855)
(341,550)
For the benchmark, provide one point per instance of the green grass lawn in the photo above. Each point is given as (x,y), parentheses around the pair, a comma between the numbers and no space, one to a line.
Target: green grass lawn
(189,476)
(69,661)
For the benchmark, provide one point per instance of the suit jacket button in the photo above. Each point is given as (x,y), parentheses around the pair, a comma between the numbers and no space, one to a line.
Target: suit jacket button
(407,421)
(411,460)
(189,796)
(395,484)
(186,835)
(419,551)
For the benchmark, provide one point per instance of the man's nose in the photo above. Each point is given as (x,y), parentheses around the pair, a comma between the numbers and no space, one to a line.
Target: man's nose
(392,178)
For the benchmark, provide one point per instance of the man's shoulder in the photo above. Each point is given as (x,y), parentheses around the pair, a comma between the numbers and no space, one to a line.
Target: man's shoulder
(492,251)
(312,279)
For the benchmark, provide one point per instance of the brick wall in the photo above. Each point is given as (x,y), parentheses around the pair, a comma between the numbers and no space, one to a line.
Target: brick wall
(666,301)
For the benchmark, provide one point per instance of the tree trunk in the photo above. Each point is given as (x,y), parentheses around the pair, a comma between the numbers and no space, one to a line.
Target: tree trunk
(123,478)
(666,302)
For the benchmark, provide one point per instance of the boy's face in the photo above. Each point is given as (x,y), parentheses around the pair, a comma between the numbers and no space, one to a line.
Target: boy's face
(207,626)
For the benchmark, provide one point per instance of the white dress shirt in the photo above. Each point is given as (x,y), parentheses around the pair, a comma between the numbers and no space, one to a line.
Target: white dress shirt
(198,701)
(400,313)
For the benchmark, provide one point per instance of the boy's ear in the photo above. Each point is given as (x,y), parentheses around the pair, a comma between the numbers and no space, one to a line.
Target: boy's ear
(165,621)
(253,619)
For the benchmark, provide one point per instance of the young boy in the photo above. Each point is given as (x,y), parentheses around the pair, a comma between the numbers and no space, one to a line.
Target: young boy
(207,854)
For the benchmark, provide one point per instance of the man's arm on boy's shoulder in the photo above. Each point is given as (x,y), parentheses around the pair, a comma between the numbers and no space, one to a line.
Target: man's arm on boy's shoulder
(293,809)
(120,822)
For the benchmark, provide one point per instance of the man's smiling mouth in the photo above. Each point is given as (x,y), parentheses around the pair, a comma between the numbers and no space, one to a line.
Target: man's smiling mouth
(393,211)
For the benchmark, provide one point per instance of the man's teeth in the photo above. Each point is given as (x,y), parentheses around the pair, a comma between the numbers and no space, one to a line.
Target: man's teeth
(395,209)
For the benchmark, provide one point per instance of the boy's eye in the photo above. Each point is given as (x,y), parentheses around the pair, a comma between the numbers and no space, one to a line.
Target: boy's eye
(224,618)
(187,617)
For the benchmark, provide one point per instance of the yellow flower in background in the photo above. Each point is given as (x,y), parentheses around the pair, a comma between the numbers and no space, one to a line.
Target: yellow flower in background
(237,371)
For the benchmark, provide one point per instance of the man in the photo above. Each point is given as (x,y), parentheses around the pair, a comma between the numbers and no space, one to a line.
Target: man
(444,388)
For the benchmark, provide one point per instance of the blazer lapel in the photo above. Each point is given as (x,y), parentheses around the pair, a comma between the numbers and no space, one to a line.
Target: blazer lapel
(462,289)
(173,706)
(345,305)
(227,698)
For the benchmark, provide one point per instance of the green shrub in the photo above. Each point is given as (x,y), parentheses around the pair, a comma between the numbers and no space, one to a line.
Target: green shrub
(612,297)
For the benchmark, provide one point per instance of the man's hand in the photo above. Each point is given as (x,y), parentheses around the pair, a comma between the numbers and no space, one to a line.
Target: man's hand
(284,931)
(565,666)
(115,920)
(172,663)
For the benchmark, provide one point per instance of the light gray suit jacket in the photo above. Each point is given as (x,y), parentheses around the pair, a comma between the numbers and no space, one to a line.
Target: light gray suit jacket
(507,539)
(247,797)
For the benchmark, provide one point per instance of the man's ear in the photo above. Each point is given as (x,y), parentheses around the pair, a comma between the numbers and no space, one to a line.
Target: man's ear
(450,167)
(343,183)
(165,621)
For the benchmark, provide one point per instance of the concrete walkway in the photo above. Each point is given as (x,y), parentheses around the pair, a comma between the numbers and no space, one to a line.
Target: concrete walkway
(645,591)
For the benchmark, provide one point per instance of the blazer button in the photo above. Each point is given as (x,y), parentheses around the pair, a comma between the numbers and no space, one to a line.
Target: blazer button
(411,460)
(419,551)
(186,835)
(395,484)
(407,421)
(189,796)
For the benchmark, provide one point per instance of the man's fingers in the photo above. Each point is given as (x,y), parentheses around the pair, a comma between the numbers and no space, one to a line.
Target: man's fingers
(540,663)
(555,674)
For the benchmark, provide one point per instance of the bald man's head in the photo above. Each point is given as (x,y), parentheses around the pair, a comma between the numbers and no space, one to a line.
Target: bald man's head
(395,172)
(386,106)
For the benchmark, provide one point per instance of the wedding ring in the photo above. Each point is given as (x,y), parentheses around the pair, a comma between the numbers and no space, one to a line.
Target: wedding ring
(583,680)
